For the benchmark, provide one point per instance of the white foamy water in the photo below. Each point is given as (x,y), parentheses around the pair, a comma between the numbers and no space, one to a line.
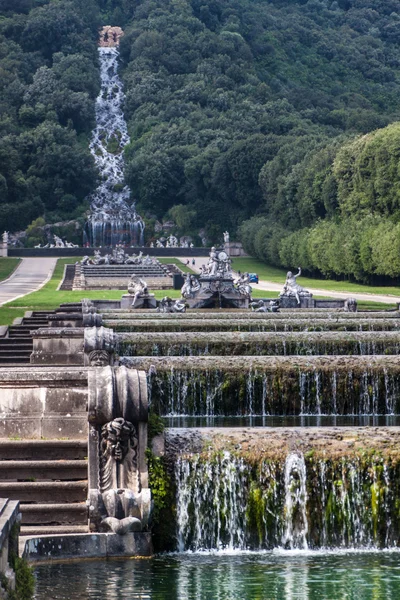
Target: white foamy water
(112,218)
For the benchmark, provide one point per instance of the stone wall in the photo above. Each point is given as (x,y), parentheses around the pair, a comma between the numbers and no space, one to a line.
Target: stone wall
(121,283)
(110,36)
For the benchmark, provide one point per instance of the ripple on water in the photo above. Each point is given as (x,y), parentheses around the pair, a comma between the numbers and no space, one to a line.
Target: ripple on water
(277,575)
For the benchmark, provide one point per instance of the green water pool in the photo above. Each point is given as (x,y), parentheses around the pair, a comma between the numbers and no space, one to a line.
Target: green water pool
(279,575)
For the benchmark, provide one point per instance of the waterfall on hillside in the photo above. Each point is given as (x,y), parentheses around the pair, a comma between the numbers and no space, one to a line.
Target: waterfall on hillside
(293,502)
(112,218)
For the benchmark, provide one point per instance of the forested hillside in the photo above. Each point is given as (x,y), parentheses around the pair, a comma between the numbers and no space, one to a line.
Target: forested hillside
(48,83)
(239,107)
(237,110)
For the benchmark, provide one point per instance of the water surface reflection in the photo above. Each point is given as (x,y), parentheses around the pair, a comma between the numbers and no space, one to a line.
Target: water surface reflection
(287,421)
(242,576)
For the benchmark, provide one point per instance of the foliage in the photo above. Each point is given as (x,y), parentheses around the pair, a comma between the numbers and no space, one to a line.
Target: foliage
(163,496)
(155,426)
(355,185)
(238,107)
(49,81)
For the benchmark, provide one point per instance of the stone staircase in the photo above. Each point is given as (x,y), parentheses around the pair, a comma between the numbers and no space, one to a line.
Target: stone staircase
(68,279)
(16,347)
(49,477)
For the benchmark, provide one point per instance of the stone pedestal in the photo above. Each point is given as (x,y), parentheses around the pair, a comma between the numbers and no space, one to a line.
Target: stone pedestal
(144,301)
(217,292)
(306,301)
(234,249)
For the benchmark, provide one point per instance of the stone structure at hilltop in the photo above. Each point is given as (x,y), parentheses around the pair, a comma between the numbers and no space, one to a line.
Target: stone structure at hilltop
(110,36)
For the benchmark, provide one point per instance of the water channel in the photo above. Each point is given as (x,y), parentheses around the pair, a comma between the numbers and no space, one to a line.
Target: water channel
(278,575)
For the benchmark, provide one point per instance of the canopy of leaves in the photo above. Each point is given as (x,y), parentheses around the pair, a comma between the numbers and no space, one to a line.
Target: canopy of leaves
(49,80)
(237,107)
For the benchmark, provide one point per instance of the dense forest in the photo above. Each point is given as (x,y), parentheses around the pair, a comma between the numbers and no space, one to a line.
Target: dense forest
(275,119)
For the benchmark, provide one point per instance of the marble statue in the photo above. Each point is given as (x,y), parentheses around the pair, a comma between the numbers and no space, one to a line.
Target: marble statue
(242,284)
(226,237)
(118,451)
(262,307)
(167,305)
(218,265)
(5,238)
(138,288)
(292,288)
(172,242)
(350,305)
(159,244)
(190,287)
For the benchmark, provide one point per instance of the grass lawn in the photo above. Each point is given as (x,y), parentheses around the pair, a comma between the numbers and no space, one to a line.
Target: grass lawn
(177,262)
(49,298)
(275,275)
(7,266)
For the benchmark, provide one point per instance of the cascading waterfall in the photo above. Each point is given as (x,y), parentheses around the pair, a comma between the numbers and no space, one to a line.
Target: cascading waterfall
(178,392)
(297,502)
(296,526)
(112,218)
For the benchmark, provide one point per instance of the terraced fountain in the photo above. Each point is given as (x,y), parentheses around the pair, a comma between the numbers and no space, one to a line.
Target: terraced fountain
(282,437)
(267,487)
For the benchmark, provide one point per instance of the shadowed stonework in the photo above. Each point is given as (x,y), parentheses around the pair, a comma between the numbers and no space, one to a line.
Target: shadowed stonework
(110,36)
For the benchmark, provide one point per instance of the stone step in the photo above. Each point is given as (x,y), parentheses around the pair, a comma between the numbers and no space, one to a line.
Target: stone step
(37,530)
(16,349)
(13,341)
(45,491)
(43,449)
(50,514)
(22,329)
(43,470)
(15,360)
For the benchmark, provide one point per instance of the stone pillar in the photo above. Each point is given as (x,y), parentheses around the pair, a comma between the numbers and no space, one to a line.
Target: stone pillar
(119,496)
(4,245)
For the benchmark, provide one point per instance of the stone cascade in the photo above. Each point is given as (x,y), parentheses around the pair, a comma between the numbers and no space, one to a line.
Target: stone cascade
(270,495)
(98,367)
(272,385)
(190,324)
(258,344)
(294,489)
(113,219)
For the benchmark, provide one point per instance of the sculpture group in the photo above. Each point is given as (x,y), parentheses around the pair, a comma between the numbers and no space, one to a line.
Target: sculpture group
(58,243)
(118,256)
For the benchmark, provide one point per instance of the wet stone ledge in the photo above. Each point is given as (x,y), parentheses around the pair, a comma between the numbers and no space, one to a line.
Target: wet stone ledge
(258,344)
(256,325)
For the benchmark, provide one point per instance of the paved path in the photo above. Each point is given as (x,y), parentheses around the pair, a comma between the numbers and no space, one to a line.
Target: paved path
(30,275)
(277,287)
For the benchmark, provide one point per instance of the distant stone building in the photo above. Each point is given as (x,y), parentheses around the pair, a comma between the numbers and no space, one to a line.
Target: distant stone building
(110,36)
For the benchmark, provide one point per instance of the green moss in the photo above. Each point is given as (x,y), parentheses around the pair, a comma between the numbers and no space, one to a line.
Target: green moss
(256,511)
(24,582)
(163,496)
(155,426)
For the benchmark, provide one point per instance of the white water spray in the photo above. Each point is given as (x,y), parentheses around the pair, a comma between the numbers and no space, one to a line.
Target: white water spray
(295,515)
